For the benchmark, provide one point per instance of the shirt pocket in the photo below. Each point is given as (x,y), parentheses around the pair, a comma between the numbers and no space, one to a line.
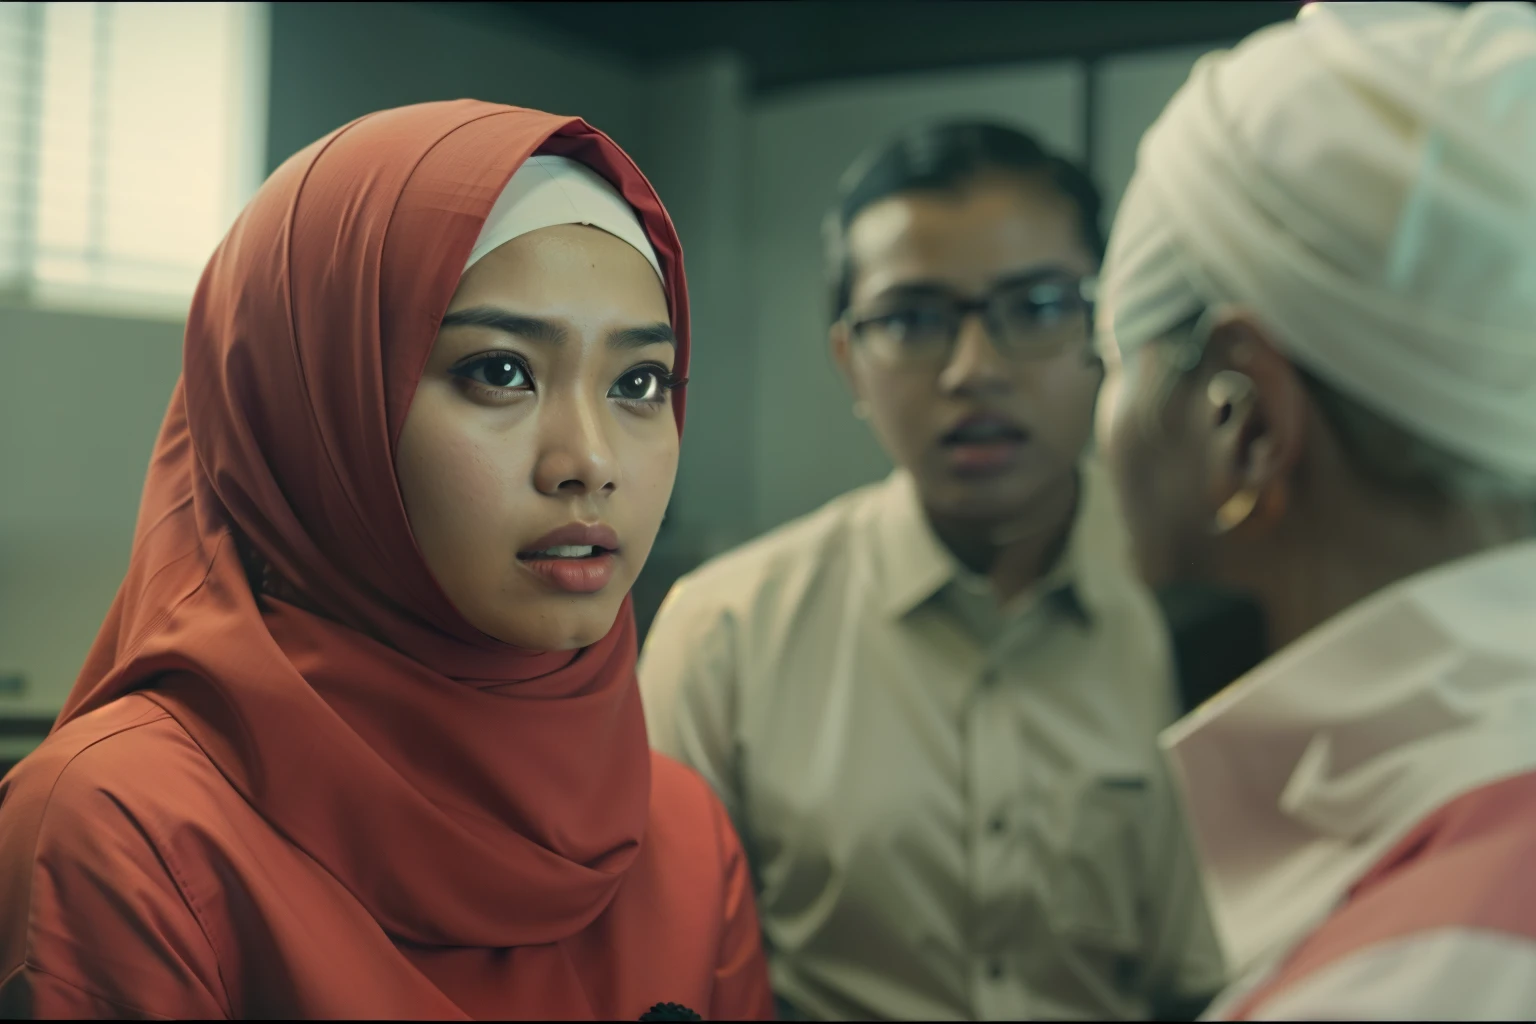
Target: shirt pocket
(1097,895)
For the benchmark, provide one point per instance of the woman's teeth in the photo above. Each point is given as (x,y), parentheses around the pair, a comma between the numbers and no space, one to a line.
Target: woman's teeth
(566,551)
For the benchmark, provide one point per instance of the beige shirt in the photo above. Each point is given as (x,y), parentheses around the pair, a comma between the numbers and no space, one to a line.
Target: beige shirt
(952,810)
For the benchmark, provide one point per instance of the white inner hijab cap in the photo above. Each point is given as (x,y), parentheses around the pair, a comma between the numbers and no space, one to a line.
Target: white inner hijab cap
(551,190)
(1363,179)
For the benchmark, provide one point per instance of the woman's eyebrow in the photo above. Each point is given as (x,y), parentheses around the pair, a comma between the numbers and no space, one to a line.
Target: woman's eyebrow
(539,330)
(530,327)
(640,337)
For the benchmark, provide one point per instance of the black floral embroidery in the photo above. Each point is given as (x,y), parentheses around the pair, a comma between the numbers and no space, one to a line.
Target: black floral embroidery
(669,1011)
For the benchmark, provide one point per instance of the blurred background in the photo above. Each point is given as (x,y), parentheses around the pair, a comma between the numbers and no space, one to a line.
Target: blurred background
(131,134)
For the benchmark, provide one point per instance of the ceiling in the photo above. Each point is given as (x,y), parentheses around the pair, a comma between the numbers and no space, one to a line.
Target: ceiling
(791,43)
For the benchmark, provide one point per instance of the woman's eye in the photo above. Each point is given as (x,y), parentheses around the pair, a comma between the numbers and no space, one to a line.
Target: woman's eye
(496,371)
(643,384)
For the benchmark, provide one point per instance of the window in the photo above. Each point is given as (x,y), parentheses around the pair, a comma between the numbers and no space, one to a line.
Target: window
(130,136)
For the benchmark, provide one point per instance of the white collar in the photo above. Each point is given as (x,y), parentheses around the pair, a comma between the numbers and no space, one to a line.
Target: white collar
(1300,776)
(1093,568)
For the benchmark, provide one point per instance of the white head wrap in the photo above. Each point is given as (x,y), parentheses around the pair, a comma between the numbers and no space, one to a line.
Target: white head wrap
(551,190)
(1364,180)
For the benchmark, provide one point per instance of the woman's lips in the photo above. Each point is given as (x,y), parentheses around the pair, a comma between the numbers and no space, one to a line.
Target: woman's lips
(577,558)
(573,575)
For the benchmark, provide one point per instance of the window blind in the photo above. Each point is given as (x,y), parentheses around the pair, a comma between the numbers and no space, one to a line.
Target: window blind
(130,136)
(20,32)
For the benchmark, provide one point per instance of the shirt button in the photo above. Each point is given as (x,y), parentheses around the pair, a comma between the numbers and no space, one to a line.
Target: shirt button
(998,825)
(995,969)
(988,676)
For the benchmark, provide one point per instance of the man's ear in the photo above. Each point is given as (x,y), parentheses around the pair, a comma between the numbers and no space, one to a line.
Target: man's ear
(1257,411)
(841,345)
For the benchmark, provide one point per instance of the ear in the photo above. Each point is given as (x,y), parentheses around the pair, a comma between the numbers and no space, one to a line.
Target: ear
(1257,413)
(842,354)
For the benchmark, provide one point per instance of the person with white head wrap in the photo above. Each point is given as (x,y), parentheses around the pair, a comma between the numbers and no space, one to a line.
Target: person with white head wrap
(1318,316)
(1365,182)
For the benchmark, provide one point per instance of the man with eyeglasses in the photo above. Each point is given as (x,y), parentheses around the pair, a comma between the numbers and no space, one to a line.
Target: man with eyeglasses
(932,705)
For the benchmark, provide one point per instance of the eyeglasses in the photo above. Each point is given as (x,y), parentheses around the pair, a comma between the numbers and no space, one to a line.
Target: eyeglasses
(1037,317)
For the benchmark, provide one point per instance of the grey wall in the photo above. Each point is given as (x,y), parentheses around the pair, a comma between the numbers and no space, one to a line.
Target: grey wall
(1131,92)
(81,398)
(769,434)
(693,147)
(332,62)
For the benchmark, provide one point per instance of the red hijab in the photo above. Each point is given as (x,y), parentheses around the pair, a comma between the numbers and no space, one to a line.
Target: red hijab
(468,792)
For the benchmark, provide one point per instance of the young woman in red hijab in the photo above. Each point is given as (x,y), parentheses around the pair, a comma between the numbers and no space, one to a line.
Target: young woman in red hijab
(360,737)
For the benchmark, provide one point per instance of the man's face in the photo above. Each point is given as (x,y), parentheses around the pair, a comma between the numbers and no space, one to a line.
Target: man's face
(984,433)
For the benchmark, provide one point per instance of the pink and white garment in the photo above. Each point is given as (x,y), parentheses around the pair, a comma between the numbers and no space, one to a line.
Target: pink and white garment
(1362,180)
(1442,928)
(1364,807)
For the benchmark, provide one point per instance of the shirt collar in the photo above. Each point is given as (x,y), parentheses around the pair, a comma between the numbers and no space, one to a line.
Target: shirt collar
(1300,776)
(916,565)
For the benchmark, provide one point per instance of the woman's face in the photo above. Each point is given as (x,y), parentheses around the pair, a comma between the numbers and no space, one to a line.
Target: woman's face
(540,449)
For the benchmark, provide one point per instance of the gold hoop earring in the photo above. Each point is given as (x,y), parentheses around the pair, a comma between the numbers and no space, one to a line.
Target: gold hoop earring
(1234,512)
(861,409)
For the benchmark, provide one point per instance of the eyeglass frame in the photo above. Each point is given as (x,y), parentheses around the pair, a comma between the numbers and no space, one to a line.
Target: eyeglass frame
(1087,293)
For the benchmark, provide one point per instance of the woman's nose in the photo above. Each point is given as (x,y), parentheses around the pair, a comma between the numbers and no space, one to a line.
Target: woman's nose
(575,454)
